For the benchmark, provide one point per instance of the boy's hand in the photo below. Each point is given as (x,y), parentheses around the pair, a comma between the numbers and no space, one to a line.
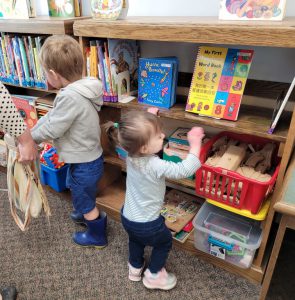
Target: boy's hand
(27,148)
(153,110)
(194,137)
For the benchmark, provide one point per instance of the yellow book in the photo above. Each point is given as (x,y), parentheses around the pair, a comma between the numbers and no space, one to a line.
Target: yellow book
(218,83)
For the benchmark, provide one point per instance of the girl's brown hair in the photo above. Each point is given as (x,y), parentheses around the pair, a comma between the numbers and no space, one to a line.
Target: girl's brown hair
(63,55)
(133,131)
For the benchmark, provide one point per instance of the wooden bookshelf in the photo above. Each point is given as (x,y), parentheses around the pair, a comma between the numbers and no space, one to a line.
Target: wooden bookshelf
(31,88)
(111,201)
(250,117)
(254,119)
(208,30)
(39,25)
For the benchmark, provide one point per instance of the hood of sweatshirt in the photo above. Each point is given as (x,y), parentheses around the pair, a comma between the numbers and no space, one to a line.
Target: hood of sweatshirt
(89,88)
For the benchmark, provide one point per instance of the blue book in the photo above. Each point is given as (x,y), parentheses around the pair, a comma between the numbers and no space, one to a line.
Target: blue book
(157,81)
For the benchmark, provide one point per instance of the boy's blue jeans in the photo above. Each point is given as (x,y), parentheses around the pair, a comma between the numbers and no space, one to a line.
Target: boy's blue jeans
(154,234)
(82,179)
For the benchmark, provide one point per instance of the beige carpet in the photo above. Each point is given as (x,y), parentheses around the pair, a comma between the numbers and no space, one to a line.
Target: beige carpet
(44,264)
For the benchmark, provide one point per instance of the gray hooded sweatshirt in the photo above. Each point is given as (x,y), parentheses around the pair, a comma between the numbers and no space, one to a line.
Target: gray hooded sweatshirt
(73,123)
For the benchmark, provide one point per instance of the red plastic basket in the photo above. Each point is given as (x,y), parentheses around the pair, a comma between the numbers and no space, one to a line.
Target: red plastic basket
(252,192)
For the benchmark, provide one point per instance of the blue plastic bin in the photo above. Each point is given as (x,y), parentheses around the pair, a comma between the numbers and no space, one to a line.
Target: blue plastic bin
(55,178)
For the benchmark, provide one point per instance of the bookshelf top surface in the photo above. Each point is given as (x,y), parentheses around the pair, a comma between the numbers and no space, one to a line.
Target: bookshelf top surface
(251,120)
(39,25)
(207,30)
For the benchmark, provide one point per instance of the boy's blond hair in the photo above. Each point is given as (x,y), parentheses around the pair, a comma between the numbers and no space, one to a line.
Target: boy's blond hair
(63,55)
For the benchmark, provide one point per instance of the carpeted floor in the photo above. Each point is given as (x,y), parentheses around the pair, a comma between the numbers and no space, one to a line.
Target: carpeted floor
(43,263)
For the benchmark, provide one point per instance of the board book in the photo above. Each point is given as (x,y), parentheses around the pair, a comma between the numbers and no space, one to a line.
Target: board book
(218,82)
(157,81)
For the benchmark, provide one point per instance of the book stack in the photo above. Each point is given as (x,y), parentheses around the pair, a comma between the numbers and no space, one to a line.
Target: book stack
(44,104)
(158,81)
(178,210)
(19,61)
(115,63)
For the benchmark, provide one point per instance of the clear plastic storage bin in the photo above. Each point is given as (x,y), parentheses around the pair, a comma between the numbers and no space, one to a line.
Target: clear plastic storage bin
(227,236)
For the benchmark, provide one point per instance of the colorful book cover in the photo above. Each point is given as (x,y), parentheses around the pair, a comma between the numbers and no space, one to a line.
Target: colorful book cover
(17,9)
(156,76)
(273,10)
(59,8)
(123,56)
(26,107)
(218,83)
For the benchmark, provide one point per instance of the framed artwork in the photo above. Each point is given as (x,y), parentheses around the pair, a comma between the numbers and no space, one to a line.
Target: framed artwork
(252,9)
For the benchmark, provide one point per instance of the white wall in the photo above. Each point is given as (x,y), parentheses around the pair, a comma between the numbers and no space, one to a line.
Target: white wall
(272,64)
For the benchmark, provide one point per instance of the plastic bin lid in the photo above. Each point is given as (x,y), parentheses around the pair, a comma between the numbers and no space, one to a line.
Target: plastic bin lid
(228,227)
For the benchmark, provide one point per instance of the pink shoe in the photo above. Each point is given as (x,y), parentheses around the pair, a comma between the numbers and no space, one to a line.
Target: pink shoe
(162,280)
(135,273)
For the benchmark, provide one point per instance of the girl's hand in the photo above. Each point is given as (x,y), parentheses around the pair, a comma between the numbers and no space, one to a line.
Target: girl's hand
(153,110)
(194,137)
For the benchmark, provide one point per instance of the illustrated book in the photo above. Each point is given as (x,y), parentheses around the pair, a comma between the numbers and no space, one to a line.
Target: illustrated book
(218,82)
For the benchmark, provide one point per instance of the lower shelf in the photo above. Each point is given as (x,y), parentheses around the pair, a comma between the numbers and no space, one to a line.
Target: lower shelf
(111,200)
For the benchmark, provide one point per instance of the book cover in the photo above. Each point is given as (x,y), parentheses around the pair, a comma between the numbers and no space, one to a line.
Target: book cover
(123,56)
(156,81)
(273,10)
(14,9)
(26,107)
(64,8)
(218,82)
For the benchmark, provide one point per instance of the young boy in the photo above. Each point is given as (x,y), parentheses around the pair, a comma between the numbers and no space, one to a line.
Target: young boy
(73,126)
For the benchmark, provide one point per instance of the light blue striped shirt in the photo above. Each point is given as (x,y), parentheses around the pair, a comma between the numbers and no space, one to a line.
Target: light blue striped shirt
(145,185)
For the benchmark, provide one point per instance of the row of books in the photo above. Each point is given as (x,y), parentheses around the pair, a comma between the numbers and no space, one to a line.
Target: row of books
(19,61)
(115,62)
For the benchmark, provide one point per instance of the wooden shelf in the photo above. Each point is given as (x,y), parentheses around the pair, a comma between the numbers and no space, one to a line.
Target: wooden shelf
(187,183)
(251,120)
(208,30)
(111,201)
(31,88)
(39,25)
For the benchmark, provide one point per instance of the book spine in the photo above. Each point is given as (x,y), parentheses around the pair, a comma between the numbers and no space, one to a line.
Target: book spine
(32,60)
(17,60)
(28,60)
(24,61)
(42,75)
(108,67)
(10,55)
(93,60)
(5,59)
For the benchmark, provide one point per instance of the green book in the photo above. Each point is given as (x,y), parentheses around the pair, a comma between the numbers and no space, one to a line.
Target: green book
(61,8)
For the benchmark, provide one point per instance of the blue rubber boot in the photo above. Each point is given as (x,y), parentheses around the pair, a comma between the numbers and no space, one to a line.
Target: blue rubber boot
(95,235)
(78,218)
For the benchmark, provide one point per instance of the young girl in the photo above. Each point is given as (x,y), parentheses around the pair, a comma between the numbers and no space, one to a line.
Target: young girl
(140,134)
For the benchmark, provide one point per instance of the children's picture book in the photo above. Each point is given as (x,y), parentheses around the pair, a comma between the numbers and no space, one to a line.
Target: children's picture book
(252,10)
(179,209)
(26,107)
(157,81)
(121,58)
(57,8)
(14,9)
(106,9)
(218,82)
